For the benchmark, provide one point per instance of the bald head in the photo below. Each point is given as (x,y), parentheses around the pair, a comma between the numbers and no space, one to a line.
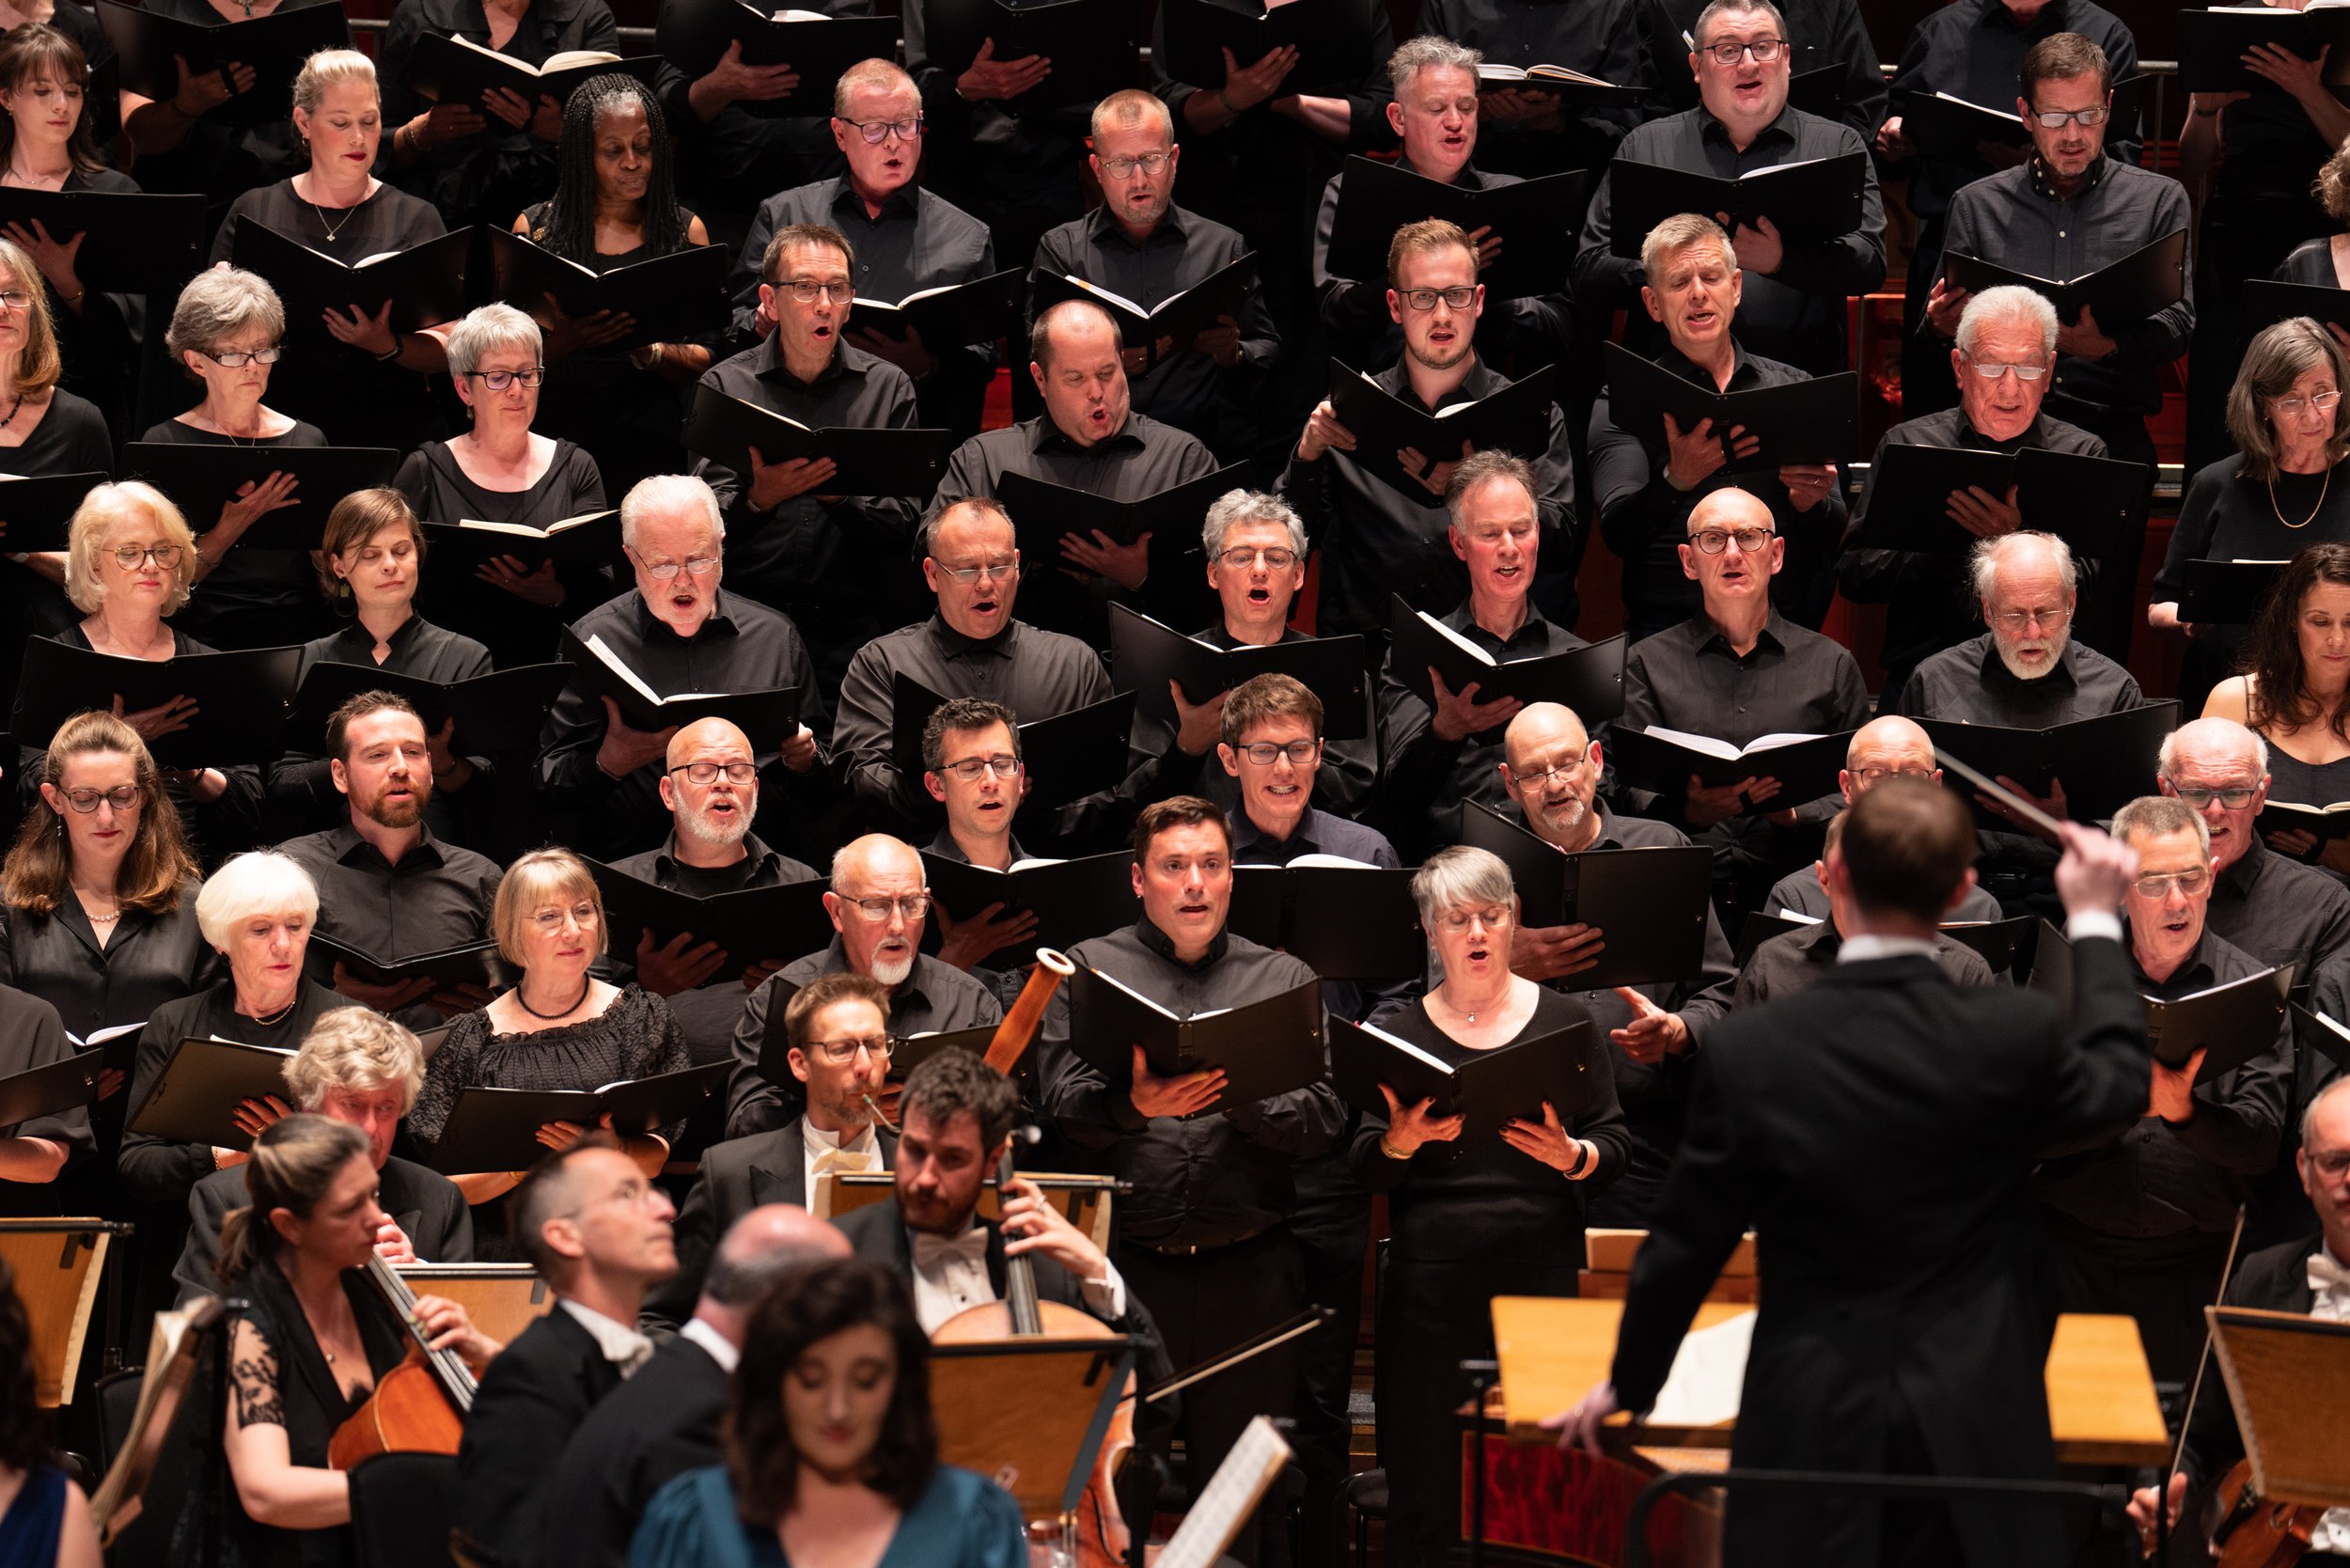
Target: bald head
(2205,762)
(1732,553)
(692,743)
(1552,770)
(713,816)
(886,874)
(759,1250)
(1884,749)
(1729,508)
(1541,727)
(875,857)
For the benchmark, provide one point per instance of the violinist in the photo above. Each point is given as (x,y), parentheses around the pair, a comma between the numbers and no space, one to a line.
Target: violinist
(314,1338)
(2310,1277)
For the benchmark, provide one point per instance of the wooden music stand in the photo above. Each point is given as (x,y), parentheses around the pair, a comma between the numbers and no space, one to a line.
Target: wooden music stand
(172,1350)
(1032,1413)
(503,1299)
(2288,1377)
(57,1264)
(1083,1201)
(1606,1271)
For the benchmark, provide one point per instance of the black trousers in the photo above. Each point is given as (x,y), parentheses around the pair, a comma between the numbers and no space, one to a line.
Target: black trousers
(2165,1282)
(1206,1303)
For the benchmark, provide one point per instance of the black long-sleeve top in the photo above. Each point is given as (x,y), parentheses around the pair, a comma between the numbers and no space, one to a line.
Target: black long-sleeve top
(268,586)
(1447,1204)
(1798,960)
(514,630)
(149,960)
(1822,32)
(2229,517)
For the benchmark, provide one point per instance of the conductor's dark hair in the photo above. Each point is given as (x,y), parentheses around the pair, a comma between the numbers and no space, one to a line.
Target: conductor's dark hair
(2061,57)
(2279,696)
(546,1194)
(31,53)
(23,1436)
(1165,816)
(809,1305)
(953,1082)
(1907,844)
(960,714)
(569,228)
(357,707)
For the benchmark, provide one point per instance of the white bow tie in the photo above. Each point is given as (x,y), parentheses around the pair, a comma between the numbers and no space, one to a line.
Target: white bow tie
(850,1160)
(2327,1275)
(929,1252)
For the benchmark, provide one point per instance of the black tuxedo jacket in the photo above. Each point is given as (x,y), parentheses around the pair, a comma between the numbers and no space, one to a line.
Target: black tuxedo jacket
(534,1397)
(653,1427)
(424,1203)
(736,1177)
(1877,1132)
(2274,1279)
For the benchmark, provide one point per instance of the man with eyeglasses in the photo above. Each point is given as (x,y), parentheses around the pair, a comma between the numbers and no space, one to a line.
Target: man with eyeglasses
(1890,746)
(906,239)
(1139,244)
(2274,909)
(1738,670)
(2140,1220)
(1795,290)
(679,632)
(971,646)
(1644,481)
(878,904)
(2002,359)
(1821,36)
(1378,541)
(971,766)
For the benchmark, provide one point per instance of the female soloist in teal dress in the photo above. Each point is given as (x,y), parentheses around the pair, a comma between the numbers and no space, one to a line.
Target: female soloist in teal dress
(961,1520)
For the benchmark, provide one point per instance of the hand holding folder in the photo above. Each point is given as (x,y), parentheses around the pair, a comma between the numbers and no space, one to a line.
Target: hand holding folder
(866,461)
(1650,905)
(2084,771)
(1816,199)
(1761,429)
(1149,658)
(1589,680)
(818,49)
(1533,221)
(668,298)
(768,718)
(1233,1056)
(2122,293)
(1919,499)
(499,1129)
(227,709)
(1412,450)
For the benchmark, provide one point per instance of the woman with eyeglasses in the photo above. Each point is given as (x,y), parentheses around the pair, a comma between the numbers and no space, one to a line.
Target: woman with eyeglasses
(1470,1223)
(2294,693)
(2275,496)
(557,1027)
(615,203)
(501,470)
(228,331)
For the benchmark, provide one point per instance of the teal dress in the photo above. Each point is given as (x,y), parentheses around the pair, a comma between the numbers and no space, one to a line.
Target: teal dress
(961,1520)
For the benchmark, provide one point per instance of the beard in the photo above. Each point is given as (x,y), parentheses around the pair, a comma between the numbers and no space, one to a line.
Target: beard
(2018,668)
(1463,345)
(723,832)
(402,813)
(892,969)
(1559,820)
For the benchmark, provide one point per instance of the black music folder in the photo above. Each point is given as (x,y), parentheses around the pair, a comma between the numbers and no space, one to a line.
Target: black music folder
(2085,501)
(273,45)
(876,460)
(913,1050)
(1042,512)
(425,283)
(1071,899)
(497,1129)
(2323,822)
(1179,316)
(1589,680)
(1536,218)
(2231,1024)
(1145,655)
(1516,419)
(2150,278)
(2212,44)
(768,718)
(1328,35)
(2319,1031)
(2226,592)
(590,537)
(1953,129)
(682,294)
(473,962)
(1650,905)
(979,310)
(1485,1089)
(497,712)
(1662,760)
(1067,756)
(2267,301)
(132,241)
(2103,763)
(1090,44)
(35,509)
(1819,199)
(242,698)
(1574,88)
(750,925)
(201,479)
(449,69)
(67,1084)
(1271,1046)
(1995,941)
(698,33)
(1342,918)
(202,1082)
(1803,421)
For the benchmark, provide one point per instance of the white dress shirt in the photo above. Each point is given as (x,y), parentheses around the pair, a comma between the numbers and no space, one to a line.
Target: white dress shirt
(722,1350)
(821,1151)
(950,1274)
(2329,1289)
(620,1343)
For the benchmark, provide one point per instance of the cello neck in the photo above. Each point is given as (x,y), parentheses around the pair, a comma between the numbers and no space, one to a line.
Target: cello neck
(456,1377)
(1027,1319)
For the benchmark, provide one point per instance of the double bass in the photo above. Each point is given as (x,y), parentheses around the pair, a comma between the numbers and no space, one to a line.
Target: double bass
(420,1406)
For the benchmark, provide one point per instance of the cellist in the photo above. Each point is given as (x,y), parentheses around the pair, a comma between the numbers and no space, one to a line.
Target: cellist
(2310,1276)
(307,1351)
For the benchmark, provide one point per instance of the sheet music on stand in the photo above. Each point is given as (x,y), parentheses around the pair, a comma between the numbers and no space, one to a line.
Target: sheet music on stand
(1229,1498)
(172,1349)
(2289,1377)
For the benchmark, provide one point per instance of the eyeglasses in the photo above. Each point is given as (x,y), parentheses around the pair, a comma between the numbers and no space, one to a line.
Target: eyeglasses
(1265,753)
(237,359)
(2156,884)
(2056,119)
(805,292)
(2322,401)
(969,768)
(2232,799)
(1459,298)
(1763,50)
(1715,540)
(875,132)
(2332,1164)
(1148,163)
(1460,920)
(581,914)
(16,299)
(839,1053)
(131,557)
(1878,776)
(121,797)
(1566,773)
(498,380)
(2025,373)
(967,575)
(1241,557)
(661,571)
(707,772)
(2049,620)
(913,906)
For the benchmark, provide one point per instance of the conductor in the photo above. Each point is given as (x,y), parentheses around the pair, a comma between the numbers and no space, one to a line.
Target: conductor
(1877,1133)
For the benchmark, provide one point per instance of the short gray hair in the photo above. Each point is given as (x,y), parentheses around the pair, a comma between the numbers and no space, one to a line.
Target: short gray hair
(663,493)
(355,1048)
(986,505)
(1716,9)
(1457,875)
(485,330)
(2169,753)
(2009,302)
(2153,816)
(1680,232)
(1479,469)
(1248,506)
(1429,52)
(218,302)
(259,881)
(1982,566)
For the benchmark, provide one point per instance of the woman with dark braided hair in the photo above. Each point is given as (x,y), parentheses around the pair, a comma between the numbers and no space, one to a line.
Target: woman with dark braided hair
(2294,691)
(44,1518)
(615,202)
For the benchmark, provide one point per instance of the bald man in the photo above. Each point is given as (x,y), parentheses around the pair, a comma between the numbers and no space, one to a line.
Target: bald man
(879,901)
(1880,750)
(664,1421)
(2275,909)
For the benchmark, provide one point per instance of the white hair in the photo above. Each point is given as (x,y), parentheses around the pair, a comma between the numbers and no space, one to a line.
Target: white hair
(2009,302)
(1235,507)
(666,493)
(260,882)
(1983,565)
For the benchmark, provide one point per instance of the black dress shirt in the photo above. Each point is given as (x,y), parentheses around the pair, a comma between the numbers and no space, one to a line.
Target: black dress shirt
(156,1170)
(1799,893)
(514,630)
(743,647)
(438,896)
(2016,219)
(1795,314)
(932,999)
(1645,520)
(148,961)
(1597,39)
(1796,959)
(301,782)
(1199,1182)
(2278,911)
(1931,599)
(1425,778)
(1187,389)
(1375,539)
(1823,31)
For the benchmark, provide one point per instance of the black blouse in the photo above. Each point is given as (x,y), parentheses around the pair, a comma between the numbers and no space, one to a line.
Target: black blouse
(517,630)
(218,159)
(2311,262)
(150,960)
(71,439)
(2226,517)
(253,598)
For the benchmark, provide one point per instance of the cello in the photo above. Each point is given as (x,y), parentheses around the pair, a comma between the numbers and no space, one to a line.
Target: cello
(420,1406)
